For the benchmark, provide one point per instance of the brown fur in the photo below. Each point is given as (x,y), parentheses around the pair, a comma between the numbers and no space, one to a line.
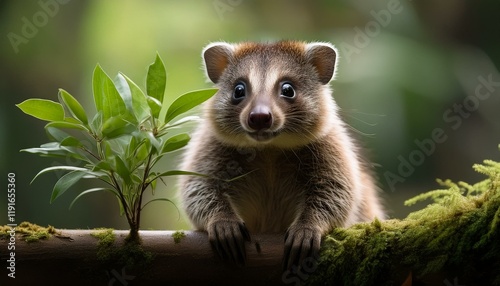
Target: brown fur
(303,175)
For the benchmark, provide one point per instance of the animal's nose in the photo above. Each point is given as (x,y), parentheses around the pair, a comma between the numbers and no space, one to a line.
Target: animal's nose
(260,118)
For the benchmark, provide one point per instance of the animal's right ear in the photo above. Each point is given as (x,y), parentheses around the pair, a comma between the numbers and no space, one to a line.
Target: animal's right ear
(216,57)
(323,56)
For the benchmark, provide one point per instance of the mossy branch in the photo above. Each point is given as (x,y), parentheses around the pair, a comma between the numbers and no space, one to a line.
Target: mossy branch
(455,237)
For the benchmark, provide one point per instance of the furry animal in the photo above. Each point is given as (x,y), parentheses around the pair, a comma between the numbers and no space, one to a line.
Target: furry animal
(274,126)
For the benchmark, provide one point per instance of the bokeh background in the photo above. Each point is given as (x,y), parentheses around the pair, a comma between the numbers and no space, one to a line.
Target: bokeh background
(407,69)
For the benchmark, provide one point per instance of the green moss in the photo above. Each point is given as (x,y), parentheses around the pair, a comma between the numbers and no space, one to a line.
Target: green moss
(455,236)
(30,232)
(130,254)
(178,235)
(105,236)
(105,245)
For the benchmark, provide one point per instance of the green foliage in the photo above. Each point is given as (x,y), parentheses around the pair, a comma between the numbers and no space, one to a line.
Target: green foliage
(186,102)
(178,236)
(155,82)
(121,144)
(455,236)
(30,232)
(42,109)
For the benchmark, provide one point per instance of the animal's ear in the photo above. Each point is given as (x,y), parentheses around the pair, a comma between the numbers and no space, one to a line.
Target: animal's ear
(323,57)
(216,57)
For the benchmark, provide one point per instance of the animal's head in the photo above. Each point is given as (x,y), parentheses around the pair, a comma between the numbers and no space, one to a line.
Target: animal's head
(270,94)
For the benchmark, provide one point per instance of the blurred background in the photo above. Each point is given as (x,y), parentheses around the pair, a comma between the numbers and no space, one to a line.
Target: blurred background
(417,81)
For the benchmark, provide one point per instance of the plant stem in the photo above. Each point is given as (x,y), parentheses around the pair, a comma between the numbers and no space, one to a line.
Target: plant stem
(134,229)
(90,153)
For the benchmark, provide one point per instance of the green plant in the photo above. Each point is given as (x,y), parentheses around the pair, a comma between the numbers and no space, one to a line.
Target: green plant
(121,143)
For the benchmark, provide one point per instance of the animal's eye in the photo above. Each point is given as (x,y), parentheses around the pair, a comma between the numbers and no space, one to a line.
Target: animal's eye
(239,92)
(287,90)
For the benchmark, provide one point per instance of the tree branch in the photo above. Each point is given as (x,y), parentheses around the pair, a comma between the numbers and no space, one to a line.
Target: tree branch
(190,262)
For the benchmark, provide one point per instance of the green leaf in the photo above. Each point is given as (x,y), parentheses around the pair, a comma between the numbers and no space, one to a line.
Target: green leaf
(72,120)
(52,149)
(142,151)
(124,91)
(187,119)
(122,169)
(156,79)
(136,179)
(116,126)
(153,186)
(64,183)
(65,124)
(58,168)
(96,124)
(122,209)
(42,109)
(153,140)
(131,147)
(92,191)
(55,133)
(106,97)
(140,105)
(73,105)
(106,150)
(175,142)
(158,200)
(102,165)
(177,173)
(71,141)
(174,125)
(187,101)
(154,105)
(56,149)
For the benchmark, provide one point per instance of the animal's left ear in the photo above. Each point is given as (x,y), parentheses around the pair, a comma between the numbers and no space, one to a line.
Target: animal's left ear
(217,56)
(323,57)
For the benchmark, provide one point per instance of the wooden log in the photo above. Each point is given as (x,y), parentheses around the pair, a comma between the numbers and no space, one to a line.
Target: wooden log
(71,259)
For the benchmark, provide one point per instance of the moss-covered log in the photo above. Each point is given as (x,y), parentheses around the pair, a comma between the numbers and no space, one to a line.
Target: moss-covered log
(454,241)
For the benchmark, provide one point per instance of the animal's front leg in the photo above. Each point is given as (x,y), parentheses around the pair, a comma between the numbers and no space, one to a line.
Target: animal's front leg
(302,240)
(227,235)
(209,209)
(325,207)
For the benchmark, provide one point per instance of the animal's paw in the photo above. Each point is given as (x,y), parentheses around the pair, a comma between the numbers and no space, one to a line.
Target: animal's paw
(227,237)
(301,242)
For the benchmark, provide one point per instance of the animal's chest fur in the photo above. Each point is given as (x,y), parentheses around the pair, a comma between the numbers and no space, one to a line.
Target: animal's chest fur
(268,197)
